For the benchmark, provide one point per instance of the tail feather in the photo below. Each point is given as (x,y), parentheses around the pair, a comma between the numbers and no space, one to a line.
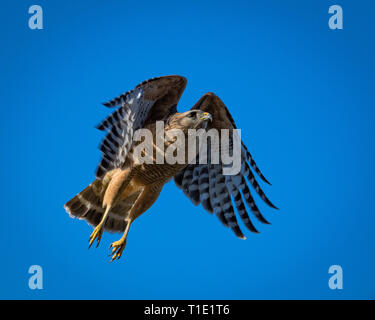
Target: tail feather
(87,205)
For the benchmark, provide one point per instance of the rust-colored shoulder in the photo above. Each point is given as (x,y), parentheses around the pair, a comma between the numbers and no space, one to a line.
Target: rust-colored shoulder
(154,89)
(211,103)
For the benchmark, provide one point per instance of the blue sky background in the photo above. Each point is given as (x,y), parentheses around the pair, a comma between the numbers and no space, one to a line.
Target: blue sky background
(302,94)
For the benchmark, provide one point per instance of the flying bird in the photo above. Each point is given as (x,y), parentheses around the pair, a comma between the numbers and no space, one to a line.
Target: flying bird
(125,187)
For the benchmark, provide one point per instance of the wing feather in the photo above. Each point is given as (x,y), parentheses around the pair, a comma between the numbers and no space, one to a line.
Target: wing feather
(150,101)
(217,185)
(226,204)
(240,205)
(194,192)
(217,192)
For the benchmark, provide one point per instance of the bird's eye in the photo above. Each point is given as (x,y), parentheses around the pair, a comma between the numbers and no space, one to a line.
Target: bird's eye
(192,115)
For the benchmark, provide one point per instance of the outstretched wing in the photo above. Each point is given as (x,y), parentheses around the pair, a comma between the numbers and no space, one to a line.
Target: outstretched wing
(205,183)
(152,100)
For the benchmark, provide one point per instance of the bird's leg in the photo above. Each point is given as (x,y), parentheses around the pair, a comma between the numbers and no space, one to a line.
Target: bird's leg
(116,187)
(98,231)
(119,246)
(144,201)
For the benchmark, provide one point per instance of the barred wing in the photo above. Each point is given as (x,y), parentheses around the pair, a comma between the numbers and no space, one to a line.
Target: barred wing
(150,101)
(205,183)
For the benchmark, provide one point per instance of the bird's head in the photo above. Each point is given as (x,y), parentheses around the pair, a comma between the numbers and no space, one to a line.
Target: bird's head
(192,119)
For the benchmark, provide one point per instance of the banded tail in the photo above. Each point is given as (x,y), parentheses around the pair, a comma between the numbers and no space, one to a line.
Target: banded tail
(87,205)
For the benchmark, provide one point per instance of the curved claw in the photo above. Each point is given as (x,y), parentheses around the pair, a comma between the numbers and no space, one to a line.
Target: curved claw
(117,249)
(96,234)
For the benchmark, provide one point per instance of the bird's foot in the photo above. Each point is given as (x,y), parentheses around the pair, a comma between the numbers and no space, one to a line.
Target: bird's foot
(96,234)
(117,249)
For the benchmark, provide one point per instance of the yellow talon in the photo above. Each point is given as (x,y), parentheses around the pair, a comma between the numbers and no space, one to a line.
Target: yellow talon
(117,249)
(96,234)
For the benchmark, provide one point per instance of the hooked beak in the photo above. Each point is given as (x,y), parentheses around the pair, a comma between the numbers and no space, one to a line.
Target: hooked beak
(206,116)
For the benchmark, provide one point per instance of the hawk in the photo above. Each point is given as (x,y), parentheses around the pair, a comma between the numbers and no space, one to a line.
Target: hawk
(125,188)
